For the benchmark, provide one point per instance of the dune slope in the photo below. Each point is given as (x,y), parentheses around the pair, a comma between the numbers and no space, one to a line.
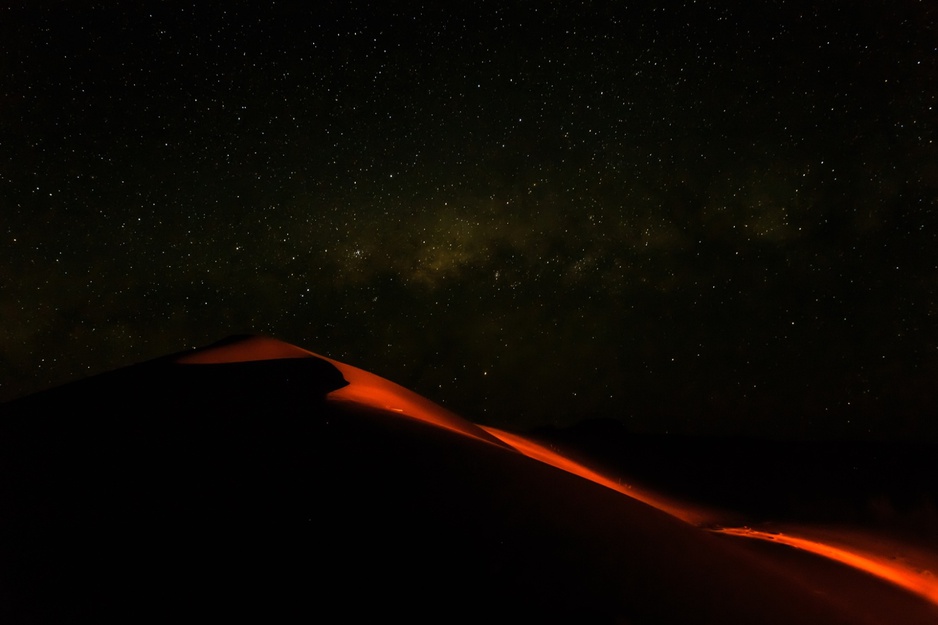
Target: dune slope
(254,478)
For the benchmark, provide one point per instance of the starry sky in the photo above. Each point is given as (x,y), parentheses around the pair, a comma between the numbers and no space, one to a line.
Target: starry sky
(702,218)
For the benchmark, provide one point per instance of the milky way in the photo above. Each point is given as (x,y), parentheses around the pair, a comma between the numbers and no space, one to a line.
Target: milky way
(691,218)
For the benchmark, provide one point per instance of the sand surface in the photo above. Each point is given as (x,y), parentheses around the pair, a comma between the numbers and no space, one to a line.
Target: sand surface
(257,479)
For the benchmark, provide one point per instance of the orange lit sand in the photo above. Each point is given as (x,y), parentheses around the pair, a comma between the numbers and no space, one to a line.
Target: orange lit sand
(538,452)
(852,553)
(918,581)
(289,483)
(371,390)
(363,388)
(248,349)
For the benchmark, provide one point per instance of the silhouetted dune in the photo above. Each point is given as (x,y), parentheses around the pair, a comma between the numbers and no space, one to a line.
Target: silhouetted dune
(253,479)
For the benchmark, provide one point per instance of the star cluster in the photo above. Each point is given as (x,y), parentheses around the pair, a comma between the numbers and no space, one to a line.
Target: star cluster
(693,218)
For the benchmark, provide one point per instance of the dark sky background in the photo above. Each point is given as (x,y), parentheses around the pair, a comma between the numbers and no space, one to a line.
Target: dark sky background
(711,218)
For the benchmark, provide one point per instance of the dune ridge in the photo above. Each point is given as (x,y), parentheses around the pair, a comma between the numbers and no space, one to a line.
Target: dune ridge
(254,462)
(369,389)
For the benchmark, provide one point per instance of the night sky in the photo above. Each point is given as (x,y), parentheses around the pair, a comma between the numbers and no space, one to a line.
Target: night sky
(702,218)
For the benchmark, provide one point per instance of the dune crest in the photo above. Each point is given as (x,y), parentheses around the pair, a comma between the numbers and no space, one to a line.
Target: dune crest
(372,391)
(259,470)
(243,349)
(363,388)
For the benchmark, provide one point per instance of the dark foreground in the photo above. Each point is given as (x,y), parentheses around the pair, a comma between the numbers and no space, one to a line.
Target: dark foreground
(287,488)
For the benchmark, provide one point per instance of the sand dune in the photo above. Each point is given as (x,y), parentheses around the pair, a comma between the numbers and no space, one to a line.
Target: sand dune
(255,478)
